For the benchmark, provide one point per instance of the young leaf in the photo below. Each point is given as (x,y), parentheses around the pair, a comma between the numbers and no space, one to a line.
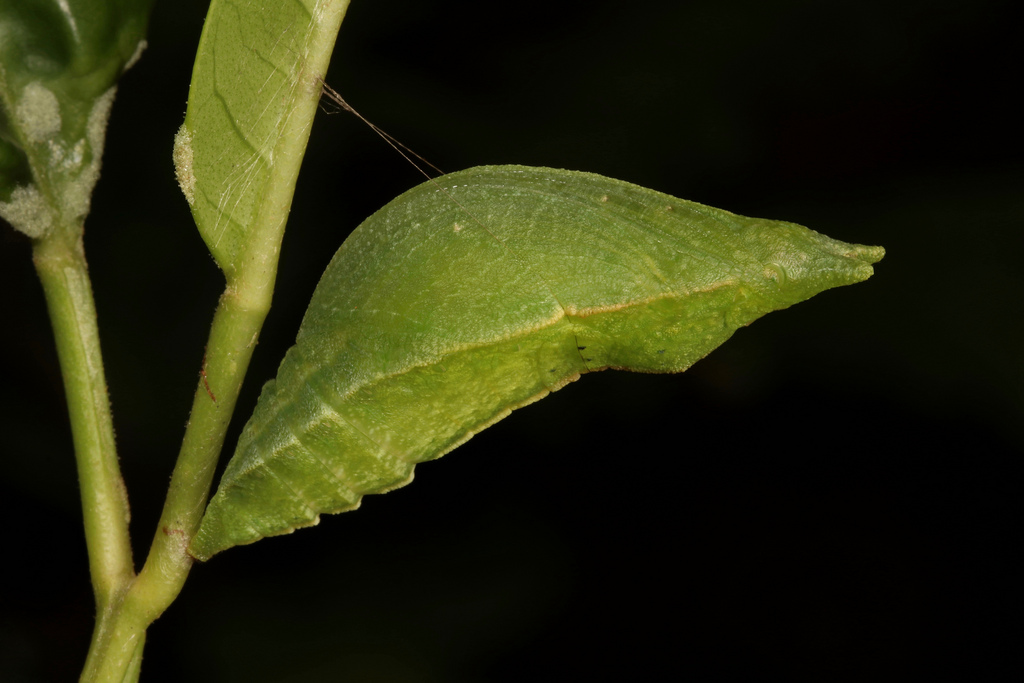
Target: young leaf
(469,297)
(255,88)
(59,61)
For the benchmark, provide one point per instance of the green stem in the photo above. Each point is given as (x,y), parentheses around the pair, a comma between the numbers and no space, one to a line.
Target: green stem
(60,263)
(116,647)
(236,327)
(233,336)
(135,665)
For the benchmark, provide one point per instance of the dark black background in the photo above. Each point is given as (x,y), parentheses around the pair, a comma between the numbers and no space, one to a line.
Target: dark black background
(827,497)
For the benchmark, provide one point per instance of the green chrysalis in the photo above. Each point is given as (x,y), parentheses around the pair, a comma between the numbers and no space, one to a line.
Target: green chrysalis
(471,296)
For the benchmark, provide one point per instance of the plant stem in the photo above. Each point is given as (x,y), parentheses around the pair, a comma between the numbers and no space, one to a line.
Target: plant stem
(117,645)
(60,262)
(236,326)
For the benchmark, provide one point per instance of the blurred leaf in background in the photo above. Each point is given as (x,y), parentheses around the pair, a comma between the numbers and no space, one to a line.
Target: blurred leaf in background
(59,61)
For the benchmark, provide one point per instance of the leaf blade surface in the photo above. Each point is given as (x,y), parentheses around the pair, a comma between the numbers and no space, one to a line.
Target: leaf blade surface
(254,92)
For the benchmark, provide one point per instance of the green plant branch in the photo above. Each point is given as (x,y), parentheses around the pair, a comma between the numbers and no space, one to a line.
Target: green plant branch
(236,326)
(60,262)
